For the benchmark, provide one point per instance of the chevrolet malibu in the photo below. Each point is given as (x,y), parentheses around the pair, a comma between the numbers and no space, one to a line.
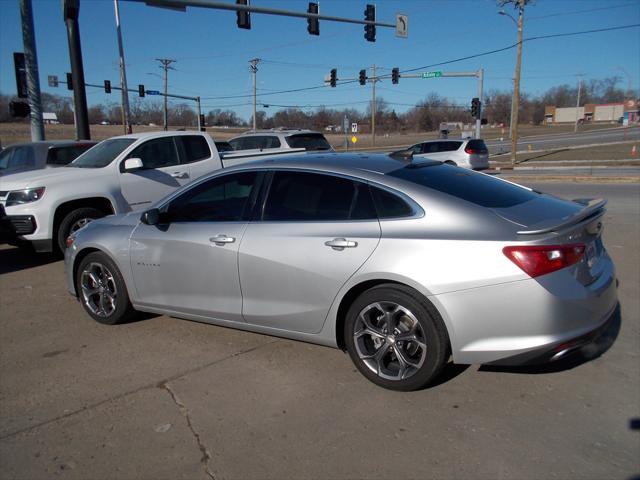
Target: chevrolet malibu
(404,264)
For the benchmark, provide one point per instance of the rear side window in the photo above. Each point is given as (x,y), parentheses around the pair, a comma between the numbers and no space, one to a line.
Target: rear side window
(300,196)
(65,155)
(477,146)
(449,146)
(195,147)
(389,205)
(468,185)
(430,147)
(309,141)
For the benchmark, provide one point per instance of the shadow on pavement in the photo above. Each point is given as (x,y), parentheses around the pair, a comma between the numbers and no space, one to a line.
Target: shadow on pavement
(573,359)
(14,259)
(449,372)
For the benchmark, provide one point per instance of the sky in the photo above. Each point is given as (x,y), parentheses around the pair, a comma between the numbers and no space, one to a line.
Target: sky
(212,53)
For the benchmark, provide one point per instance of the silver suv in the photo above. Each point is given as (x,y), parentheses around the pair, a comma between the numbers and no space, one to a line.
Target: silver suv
(468,153)
(282,139)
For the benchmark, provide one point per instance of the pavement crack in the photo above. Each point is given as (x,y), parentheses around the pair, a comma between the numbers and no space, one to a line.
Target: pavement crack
(133,391)
(206,456)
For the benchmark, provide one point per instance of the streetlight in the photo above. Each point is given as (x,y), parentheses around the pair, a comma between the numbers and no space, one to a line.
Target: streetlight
(515,100)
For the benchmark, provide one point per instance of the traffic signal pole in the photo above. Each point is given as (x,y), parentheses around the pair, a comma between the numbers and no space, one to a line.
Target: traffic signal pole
(31,66)
(71,11)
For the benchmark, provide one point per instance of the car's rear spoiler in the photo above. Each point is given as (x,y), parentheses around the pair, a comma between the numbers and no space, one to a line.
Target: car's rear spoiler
(593,209)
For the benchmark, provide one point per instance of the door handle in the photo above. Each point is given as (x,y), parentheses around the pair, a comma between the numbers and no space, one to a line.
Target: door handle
(180,175)
(222,239)
(341,243)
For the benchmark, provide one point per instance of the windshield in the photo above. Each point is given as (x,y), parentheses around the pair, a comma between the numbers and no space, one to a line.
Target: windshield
(102,154)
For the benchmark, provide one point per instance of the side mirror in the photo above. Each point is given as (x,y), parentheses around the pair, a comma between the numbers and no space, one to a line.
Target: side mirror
(150,217)
(131,164)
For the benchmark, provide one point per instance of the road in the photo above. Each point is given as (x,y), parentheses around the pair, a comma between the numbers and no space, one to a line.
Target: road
(563,140)
(163,398)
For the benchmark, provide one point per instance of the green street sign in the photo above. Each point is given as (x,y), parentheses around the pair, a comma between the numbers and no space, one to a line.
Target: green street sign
(431,74)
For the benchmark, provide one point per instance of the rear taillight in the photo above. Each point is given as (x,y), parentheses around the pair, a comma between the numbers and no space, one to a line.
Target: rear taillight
(470,150)
(536,260)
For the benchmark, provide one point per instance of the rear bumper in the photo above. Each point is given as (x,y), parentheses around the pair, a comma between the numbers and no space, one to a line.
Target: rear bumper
(528,320)
(564,349)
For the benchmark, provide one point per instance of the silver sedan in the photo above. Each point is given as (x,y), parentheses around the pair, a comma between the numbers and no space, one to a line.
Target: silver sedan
(404,264)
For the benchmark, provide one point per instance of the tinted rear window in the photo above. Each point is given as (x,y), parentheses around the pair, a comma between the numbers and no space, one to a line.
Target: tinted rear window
(309,141)
(468,185)
(478,146)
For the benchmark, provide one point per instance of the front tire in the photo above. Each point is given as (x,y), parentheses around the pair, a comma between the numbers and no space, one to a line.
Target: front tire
(74,220)
(396,338)
(102,290)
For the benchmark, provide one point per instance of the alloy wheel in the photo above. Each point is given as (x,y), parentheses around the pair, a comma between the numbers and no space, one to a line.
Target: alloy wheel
(390,340)
(99,292)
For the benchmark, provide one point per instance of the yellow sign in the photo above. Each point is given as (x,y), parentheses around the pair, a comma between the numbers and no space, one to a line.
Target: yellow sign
(354,139)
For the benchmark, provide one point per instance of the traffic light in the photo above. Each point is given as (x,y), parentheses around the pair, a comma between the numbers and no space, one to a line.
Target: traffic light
(69,81)
(362,78)
(475,107)
(395,75)
(107,86)
(141,90)
(370,30)
(313,24)
(21,74)
(334,77)
(19,109)
(243,17)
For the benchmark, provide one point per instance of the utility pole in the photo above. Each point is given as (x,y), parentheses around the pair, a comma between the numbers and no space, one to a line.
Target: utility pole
(123,74)
(71,11)
(515,100)
(373,106)
(575,127)
(166,66)
(480,93)
(254,69)
(31,65)
(515,104)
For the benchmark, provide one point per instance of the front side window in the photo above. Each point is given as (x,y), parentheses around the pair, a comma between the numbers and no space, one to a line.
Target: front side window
(431,147)
(5,157)
(310,197)
(157,153)
(195,147)
(221,199)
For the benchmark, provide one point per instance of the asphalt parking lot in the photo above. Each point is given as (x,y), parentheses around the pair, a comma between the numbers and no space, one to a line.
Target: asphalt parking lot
(167,398)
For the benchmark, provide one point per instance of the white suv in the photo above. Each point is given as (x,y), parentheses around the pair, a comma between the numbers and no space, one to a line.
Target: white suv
(468,153)
(281,139)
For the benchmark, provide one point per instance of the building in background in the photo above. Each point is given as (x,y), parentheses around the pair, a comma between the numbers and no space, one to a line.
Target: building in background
(590,113)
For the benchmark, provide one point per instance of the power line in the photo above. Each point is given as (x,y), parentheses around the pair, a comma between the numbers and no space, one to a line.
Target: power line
(575,12)
(529,39)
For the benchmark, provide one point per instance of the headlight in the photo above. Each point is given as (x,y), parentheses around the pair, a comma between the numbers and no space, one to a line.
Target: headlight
(18,197)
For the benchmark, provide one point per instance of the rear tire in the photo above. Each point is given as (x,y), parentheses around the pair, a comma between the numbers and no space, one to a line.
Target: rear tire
(73,221)
(396,338)
(102,290)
